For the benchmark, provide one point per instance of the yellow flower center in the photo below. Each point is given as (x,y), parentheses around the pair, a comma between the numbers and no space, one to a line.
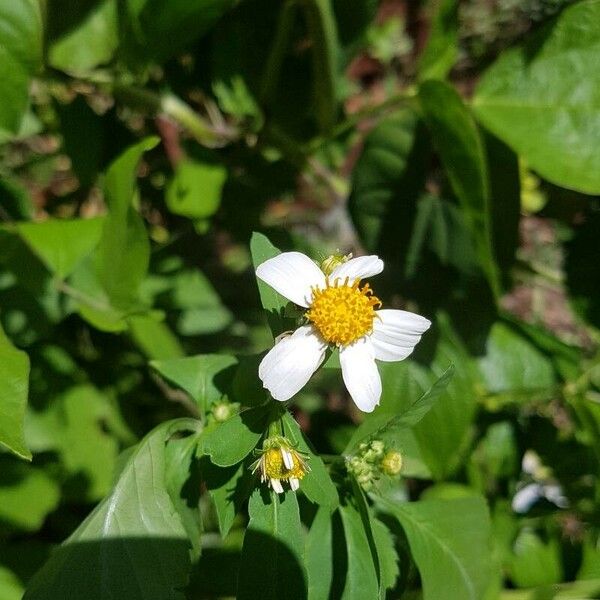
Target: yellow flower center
(343,313)
(274,467)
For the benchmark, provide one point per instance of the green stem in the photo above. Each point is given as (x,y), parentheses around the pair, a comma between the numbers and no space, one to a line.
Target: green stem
(404,97)
(283,34)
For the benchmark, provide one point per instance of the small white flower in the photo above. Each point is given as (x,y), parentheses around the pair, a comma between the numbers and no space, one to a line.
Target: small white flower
(341,313)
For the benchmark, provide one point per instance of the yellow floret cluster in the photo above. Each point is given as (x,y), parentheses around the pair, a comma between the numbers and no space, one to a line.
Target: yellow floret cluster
(343,313)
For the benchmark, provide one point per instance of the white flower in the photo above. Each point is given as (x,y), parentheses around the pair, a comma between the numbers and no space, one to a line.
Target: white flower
(340,312)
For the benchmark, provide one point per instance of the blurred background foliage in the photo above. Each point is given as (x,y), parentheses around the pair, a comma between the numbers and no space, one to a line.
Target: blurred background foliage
(141,144)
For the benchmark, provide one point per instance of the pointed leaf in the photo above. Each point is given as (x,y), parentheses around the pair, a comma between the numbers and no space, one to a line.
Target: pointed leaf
(271,566)
(14,385)
(133,544)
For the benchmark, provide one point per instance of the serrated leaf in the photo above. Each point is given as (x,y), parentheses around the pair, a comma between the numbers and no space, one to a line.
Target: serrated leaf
(361,578)
(271,566)
(380,421)
(450,542)
(133,544)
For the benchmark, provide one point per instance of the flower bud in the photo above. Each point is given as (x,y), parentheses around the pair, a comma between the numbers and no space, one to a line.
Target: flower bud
(392,463)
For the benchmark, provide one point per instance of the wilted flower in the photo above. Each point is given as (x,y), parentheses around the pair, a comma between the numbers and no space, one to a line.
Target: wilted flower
(280,461)
(340,312)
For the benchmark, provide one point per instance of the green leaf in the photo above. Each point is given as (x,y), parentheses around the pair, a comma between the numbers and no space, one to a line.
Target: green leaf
(182,480)
(316,485)
(124,249)
(159,29)
(450,542)
(444,433)
(274,303)
(461,150)
(361,577)
(21,39)
(386,554)
(440,226)
(271,564)
(14,385)
(230,442)
(133,544)
(512,364)
(88,451)
(62,244)
(229,489)
(441,50)
(195,190)
(27,495)
(386,182)
(534,562)
(10,586)
(534,100)
(91,43)
(386,418)
(205,377)
(154,337)
(319,555)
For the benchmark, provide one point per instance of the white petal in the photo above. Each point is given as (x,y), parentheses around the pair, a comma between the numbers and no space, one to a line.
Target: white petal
(288,461)
(360,374)
(292,274)
(396,333)
(287,367)
(294,483)
(526,497)
(357,268)
(276,485)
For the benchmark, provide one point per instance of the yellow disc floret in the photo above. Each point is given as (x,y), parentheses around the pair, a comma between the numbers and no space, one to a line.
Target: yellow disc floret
(274,466)
(343,313)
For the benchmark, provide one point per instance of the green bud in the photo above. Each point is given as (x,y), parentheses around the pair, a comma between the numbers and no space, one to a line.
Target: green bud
(392,463)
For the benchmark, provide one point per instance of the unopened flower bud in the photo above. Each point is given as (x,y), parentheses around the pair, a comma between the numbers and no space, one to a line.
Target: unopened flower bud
(392,463)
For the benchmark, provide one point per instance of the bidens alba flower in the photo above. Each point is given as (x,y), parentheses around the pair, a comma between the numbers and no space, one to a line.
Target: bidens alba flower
(280,461)
(340,312)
